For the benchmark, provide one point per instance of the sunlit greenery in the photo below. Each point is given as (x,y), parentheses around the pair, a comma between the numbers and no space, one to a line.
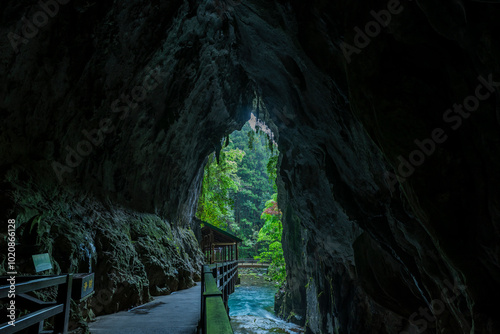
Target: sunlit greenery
(270,235)
(239,195)
(220,182)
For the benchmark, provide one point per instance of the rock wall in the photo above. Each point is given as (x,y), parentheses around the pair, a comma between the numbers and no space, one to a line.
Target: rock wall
(134,255)
(386,115)
(391,196)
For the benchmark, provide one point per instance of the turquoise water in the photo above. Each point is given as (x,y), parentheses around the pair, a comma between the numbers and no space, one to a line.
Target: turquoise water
(251,309)
(252,300)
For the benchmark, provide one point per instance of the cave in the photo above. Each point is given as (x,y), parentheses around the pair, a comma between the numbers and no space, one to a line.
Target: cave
(386,113)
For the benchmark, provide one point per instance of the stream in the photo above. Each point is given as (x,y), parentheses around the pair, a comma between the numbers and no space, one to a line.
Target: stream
(251,307)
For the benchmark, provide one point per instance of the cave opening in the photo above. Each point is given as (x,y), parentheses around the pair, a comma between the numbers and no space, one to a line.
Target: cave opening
(109,110)
(239,195)
(239,186)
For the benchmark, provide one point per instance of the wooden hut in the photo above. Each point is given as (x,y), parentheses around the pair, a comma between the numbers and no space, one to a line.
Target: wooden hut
(218,245)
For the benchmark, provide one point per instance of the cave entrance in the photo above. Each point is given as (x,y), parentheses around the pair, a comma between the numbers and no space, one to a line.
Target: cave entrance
(239,196)
(239,192)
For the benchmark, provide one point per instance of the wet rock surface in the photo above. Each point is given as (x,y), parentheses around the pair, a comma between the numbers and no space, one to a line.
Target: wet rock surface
(150,88)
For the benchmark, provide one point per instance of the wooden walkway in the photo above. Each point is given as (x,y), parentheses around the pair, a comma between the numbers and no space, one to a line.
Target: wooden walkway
(178,313)
(250,263)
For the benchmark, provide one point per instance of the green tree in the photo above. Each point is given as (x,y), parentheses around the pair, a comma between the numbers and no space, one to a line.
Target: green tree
(235,191)
(255,186)
(270,235)
(220,182)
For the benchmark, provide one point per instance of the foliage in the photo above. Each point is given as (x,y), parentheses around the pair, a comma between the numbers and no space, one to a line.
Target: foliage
(220,182)
(255,188)
(270,234)
(235,191)
(271,168)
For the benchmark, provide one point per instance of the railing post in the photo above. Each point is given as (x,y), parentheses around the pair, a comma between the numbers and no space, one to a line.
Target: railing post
(202,304)
(224,285)
(37,328)
(216,274)
(63,296)
(233,269)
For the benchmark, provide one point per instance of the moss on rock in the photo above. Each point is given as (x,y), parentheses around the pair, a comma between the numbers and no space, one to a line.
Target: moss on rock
(134,255)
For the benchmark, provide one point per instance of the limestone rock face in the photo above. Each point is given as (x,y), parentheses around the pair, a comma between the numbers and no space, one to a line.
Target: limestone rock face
(386,114)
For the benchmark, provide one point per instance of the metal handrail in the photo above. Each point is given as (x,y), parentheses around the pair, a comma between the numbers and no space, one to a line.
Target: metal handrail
(218,282)
(60,308)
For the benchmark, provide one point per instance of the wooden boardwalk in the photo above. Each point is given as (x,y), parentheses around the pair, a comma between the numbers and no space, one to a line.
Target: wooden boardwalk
(250,263)
(178,313)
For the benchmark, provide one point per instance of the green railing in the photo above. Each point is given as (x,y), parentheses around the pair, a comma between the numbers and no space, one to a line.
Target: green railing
(218,282)
(40,310)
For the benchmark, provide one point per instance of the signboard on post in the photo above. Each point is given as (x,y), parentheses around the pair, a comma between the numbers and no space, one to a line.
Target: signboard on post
(83,285)
(42,262)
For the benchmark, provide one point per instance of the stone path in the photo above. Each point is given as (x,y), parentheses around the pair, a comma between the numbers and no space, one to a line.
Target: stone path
(177,313)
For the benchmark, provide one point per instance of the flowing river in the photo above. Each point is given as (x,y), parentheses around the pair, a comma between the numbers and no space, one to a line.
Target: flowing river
(251,307)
